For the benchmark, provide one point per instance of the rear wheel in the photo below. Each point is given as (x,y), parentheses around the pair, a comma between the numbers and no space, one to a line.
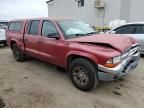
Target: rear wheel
(5,44)
(83,74)
(17,53)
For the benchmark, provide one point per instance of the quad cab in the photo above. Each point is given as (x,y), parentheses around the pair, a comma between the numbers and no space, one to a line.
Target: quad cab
(75,46)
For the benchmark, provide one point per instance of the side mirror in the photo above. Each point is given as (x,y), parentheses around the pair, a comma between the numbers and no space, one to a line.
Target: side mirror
(113,32)
(53,35)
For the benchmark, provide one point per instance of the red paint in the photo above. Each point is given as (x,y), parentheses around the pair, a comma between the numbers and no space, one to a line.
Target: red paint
(58,51)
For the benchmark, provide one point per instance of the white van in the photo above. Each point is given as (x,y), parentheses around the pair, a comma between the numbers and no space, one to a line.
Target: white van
(2,37)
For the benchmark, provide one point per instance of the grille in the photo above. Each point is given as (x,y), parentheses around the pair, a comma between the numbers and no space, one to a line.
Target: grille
(134,49)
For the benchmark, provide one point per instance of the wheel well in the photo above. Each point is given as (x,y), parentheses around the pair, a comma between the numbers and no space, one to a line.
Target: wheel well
(73,57)
(11,44)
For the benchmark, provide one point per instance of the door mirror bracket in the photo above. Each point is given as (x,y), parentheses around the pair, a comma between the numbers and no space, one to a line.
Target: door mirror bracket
(53,35)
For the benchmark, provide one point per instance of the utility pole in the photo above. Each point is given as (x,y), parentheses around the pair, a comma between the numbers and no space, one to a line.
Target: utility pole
(47,2)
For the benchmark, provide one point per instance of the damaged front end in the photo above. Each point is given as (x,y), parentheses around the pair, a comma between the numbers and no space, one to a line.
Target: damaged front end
(129,62)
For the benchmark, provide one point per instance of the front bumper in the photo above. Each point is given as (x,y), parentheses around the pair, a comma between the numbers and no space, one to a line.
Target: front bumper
(122,69)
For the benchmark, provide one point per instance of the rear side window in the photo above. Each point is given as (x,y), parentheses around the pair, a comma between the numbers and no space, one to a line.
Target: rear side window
(33,27)
(140,29)
(48,28)
(15,26)
(126,30)
(11,26)
(18,26)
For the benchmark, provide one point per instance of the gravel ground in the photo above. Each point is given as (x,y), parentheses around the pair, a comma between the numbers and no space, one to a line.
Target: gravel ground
(36,84)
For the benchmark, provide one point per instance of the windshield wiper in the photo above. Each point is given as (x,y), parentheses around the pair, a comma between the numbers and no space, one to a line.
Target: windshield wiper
(91,33)
(78,34)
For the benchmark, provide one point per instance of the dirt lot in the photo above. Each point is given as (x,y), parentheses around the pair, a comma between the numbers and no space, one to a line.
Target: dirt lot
(36,84)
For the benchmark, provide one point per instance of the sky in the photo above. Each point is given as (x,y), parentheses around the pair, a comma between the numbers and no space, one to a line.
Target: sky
(17,9)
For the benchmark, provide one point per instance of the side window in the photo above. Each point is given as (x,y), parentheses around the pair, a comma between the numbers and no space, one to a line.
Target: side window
(18,26)
(126,30)
(33,27)
(15,26)
(80,3)
(140,29)
(49,29)
(11,26)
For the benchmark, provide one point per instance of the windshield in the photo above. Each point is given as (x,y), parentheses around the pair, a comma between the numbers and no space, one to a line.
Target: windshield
(73,28)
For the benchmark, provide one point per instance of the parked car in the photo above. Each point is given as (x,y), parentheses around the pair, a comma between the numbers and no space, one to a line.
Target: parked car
(75,46)
(135,30)
(2,37)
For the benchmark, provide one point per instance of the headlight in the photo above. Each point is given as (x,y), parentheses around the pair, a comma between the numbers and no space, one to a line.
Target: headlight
(113,62)
(117,60)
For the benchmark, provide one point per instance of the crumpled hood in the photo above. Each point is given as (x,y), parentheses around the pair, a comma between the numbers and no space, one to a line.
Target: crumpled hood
(118,42)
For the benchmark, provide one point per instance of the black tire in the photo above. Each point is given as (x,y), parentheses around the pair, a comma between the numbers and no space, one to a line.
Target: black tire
(17,53)
(89,78)
(5,44)
(142,55)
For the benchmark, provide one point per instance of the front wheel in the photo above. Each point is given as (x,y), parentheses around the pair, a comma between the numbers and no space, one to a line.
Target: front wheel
(18,55)
(83,74)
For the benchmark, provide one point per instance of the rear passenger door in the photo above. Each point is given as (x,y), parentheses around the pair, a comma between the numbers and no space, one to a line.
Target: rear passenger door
(31,38)
(140,35)
(129,29)
(140,30)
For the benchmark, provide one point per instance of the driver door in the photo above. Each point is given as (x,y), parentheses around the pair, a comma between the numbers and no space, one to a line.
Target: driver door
(49,48)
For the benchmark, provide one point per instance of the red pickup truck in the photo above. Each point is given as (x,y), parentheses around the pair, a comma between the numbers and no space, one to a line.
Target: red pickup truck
(75,46)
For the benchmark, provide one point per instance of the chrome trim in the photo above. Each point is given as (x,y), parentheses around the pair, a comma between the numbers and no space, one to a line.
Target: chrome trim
(130,51)
(129,63)
(137,44)
(134,45)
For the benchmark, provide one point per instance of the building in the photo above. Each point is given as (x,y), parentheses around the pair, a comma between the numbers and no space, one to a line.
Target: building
(98,12)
